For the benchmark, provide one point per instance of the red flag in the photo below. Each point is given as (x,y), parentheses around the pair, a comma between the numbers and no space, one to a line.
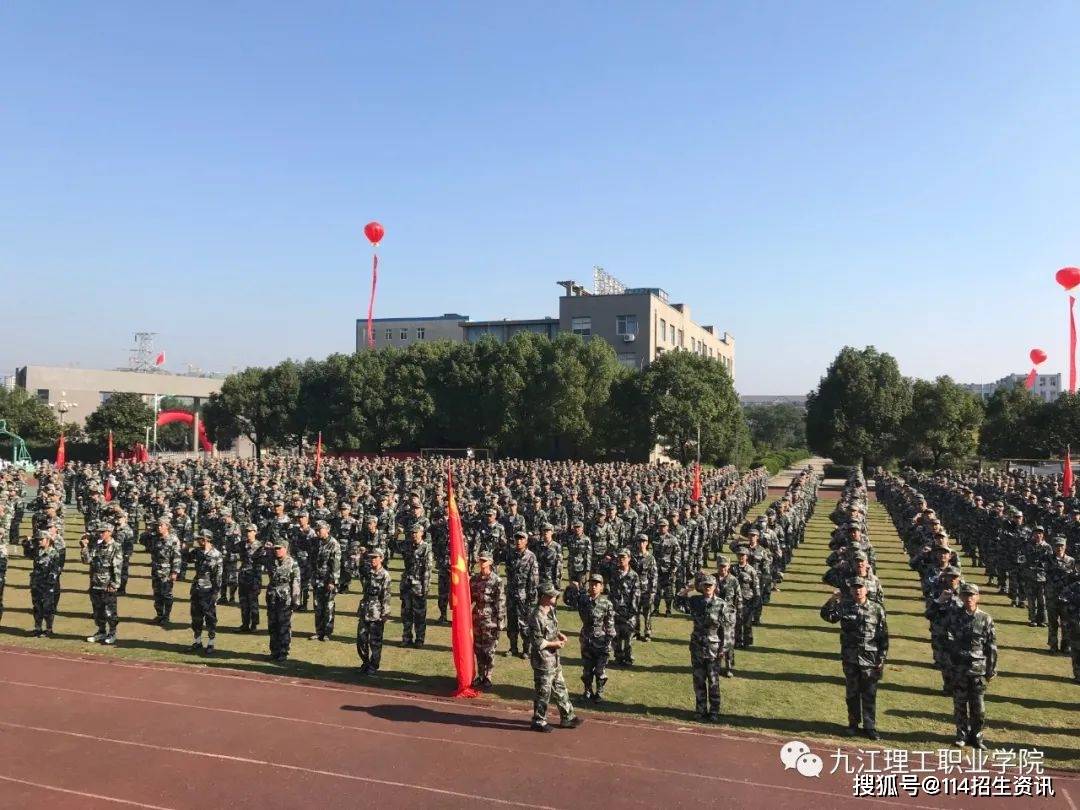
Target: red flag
(110,450)
(461,631)
(1067,475)
(61,452)
(371,301)
(1030,381)
(108,489)
(1072,345)
(695,493)
(318,454)
(160,359)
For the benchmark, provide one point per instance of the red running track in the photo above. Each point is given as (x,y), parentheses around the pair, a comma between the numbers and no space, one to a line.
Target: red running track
(88,732)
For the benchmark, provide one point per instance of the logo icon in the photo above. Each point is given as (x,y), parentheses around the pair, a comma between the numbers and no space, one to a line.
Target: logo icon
(798,755)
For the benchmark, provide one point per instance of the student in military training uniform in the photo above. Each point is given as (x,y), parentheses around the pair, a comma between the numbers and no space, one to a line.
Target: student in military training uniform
(706,646)
(973,657)
(205,589)
(597,631)
(488,615)
(415,581)
(164,568)
(373,612)
(282,598)
(106,561)
(44,581)
(251,560)
(325,565)
(644,564)
(522,581)
(546,643)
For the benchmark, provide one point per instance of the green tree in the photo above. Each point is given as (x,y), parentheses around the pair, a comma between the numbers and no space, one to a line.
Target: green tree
(27,416)
(624,429)
(778,426)
(240,408)
(1055,426)
(126,415)
(943,424)
(1010,425)
(685,391)
(856,414)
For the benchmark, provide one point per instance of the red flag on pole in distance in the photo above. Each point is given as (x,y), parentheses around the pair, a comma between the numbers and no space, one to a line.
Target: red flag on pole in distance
(111,459)
(318,454)
(1067,475)
(1072,345)
(461,630)
(1029,382)
(695,493)
(61,452)
(160,359)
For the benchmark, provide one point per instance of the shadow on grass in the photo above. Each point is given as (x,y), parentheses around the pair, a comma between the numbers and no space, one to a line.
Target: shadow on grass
(1009,724)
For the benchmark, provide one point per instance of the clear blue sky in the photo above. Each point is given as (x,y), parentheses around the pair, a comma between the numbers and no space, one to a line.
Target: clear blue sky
(803,175)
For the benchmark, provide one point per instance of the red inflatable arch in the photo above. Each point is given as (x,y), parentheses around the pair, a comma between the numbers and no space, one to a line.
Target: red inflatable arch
(167,417)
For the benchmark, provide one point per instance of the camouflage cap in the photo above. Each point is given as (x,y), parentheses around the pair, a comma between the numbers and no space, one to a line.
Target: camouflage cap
(741,549)
(969,589)
(250,527)
(548,590)
(321,524)
(596,578)
(856,582)
(860,556)
(643,538)
(1060,541)
(417,527)
(722,560)
(706,581)
(546,527)
(490,511)
(104,527)
(485,556)
(521,533)
(164,521)
(578,523)
(371,519)
(281,543)
(623,552)
(662,522)
(1039,529)
(950,571)
(753,530)
(206,534)
(375,552)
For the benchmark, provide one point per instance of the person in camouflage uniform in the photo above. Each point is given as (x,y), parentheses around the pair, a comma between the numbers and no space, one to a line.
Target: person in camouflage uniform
(125,536)
(668,565)
(415,581)
(729,591)
(597,631)
(205,588)
(488,615)
(490,538)
(3,573)
(1061,566)
(440,552)
(973,654)
(44,582)
(578,561)
(164,568)
(747,577)
(624,590)
(706,646)
(1069,609)
(645,565)
(1034,560)
(325,562)
(106,561)
(302,544)
(522,580)
(546,642)
(251,560)
(373,612)
(944,598)
(231,540)
(864,647)
(344,529)
(282,598)
(549,558)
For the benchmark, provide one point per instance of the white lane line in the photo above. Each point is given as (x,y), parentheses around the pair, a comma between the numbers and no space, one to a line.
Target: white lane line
(277,765)
(1069,799)
(443,740)
(83,795)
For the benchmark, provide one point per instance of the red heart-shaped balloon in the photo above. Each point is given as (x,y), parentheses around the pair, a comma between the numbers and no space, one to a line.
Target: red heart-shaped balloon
(1037,356)
(374,232)
(1068,277)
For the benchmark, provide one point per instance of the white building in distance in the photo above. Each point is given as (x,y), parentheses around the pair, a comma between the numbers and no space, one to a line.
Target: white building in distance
(1047,386)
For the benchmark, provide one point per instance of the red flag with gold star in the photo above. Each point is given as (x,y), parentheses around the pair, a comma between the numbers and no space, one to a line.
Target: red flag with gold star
(461,630)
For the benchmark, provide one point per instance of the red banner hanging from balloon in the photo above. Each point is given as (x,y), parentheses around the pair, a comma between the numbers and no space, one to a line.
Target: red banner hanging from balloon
(374,232)
(1072,344)
(1067,474)
(1029,383)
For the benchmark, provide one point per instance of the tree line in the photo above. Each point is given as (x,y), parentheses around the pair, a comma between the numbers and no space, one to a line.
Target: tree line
(864,411)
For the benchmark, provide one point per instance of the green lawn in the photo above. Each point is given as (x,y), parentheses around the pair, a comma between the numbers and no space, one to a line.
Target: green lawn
(790,683)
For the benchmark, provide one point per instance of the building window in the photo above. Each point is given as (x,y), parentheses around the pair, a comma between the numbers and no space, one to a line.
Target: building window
(581,326)
(671,332)
(663,329)
(420,333)
(681,338)
(43,394)
(628,359)
(626,325)
(404,333)
(389,335)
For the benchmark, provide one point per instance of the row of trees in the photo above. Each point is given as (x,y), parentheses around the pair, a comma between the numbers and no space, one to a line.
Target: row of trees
(529,397)
(865,411)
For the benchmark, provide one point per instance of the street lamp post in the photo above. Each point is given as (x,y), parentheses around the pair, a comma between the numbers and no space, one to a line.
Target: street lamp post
(62,407)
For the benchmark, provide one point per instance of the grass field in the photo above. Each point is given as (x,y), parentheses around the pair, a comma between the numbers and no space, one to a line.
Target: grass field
(789,683)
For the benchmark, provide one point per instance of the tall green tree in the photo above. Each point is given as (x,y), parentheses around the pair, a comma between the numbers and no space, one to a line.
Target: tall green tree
(1010,425)
(943,424)
(241,408)
(126,415)
(856,413)
(777,426)
(27,416)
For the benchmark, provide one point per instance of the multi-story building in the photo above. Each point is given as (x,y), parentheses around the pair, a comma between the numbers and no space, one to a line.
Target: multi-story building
(401,332)
(1047,387)
(641,324)
(505,329)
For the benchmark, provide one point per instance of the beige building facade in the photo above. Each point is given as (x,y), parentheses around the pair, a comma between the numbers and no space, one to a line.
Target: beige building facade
(402,332)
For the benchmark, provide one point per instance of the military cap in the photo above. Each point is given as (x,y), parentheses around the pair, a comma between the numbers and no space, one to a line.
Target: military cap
(375,552)
(549,590)
(319,524)
(662,522)
(753,530)
(416,527)
(969,589)
(1060,541)
(546,527)
(251,527)
(490,511)
(1015,512)
(344,505)
(206,534)
(1039,529)
(597,578)
(180,507)
(623,552)
(951,571)
(164,521)
(485,556)
(578,522)
(104,527)
(520,533)
(722,560)
(707,580)
(279,502)
(860,556)
(741,549)
(281,543)
(643,536)
(303,513)
(856,582)
(371,519)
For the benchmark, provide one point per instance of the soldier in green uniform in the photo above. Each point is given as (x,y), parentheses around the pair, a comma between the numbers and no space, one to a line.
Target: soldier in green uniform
(165,554)
(546,642)
(1069,608)
(597,631)
(1060,567)
(489,617)
(864,646)
(205,588)
(44,582)
(624,589)
(325,564)
(522,580)
(282,598)
(251,561)
(973,657)
(106,562)
(728,590)
(645,565)
(373,612)
(578,561)
(413,587)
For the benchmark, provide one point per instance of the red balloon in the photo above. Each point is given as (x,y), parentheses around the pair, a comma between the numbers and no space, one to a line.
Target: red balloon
(1037,356)
(374,232)
(1068,277)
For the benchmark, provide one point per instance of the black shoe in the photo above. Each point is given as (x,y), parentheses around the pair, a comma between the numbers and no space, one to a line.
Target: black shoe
(37,632)
(714,718)
(871,734)
(574,722)
(485,683)
(157,620)
(727,673)
(960,741)
(976,741)
(542,727)
(1033,624)
(586,695)
(365,670)
(418,645)
(196,645)
(243,629)
(1053,648)
(521,655)
(46,633)
(851,731)
(597,697)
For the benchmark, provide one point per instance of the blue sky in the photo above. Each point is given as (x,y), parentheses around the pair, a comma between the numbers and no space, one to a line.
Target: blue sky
(803,175)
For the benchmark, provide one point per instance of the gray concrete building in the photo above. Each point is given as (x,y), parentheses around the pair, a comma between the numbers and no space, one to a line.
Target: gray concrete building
(505,329)
(400,332)
(84,389)
(641,324)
